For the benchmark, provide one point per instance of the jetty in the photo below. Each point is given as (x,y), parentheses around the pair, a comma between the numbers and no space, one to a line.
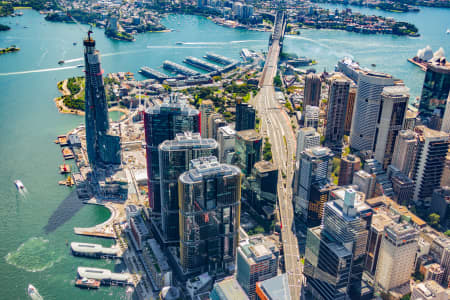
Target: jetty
(106,277)
(174,67)
(94,250)
(193,61)
(152,73)
(219,59)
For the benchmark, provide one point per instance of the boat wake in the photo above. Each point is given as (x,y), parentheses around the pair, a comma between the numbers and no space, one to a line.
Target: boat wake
(73,60)
(222,43)
(34,255)
(38,71)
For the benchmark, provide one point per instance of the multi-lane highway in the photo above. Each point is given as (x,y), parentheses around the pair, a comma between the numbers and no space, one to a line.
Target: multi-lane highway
(275,124)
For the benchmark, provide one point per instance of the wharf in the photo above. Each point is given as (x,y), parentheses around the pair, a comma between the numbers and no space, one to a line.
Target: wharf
(219,59)
(152,73)
(67,153)
(174,67)
(95,250)
(201,64)
(422,65)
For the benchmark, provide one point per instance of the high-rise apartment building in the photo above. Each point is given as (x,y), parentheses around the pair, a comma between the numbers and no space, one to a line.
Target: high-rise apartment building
(349,113)
(162,122)
(397,253)
(247,150)
(429,164)
(215,125)
(311,116)
(405,151)
(255,262)
(314,167)
(337,108)
(226,137)
(366,109)
(435,92)
(312,90)
(440,204)
(365,182)
(102,148)
(245,116)
(350,164)
(210,204)
(394,103)
(174,159)
(206,110)
(307,137)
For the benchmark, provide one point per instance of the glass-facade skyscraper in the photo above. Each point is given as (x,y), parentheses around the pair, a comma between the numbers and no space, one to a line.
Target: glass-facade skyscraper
(101,147)
(210,204)
(245,116)
(162,122)
(435,91)
(174,159)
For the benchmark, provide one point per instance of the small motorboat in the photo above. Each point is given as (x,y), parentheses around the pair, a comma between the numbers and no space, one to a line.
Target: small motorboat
(33,293)
(19,185)
(60,62)
(74,43)
(80,66)
(179,43)
(373,65)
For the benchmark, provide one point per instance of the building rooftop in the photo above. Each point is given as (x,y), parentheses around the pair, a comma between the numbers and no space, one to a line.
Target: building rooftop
(396,90)
(380,221)
(174,103)
(431,289)
(396,208)
(230,289)
(227,130)
(207,167)
(276,287)
(188,140)
(264,166)
(430,133)
(249,135)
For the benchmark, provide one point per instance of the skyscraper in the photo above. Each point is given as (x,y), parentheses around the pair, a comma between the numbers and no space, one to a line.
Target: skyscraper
(311,116)
(263,185)
(314,167)
(347,221)
(206,109)
(337,108)
(349,165)
(102,148)
(248,150)
(162,122)
(429,164)
(405,151)
(367,108)
(435,91)
(312,90)
(349,113)
(226,138)
(365,183)
(307,137)
(394,103)
(210,204)
(397,253)
(245,116)
(174,159)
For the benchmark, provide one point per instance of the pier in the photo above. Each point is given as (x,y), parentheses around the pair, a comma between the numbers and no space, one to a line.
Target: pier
(152,73)
(106,277)
(219,59)
(94,250)
(201,64)
(174,67)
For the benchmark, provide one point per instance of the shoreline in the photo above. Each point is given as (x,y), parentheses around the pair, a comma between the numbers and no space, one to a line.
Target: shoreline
(65,110)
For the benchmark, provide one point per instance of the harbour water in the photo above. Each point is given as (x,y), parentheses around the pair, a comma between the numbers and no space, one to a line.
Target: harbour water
(34,229)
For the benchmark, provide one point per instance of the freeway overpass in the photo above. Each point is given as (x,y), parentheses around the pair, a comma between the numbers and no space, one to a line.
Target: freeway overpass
(276,124)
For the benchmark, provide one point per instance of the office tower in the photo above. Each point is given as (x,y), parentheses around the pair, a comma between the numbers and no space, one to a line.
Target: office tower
(383,183)
(263,185)
(365,182)
(375,236)
(274,288)
(440,249)
(337,108)
(435,91)
(162,122)
(312,90)
(429,290)
(227,289)
(434,272)
(206,109)
(211,120)
(394,102)
(405,151)
(311,116)
(349,165)
(102,148)
(215,125)
(446,119)
(255,262)
(307,137)
(347,221)
(410,120)
(349,113)
(226,138)
(327,266)
(174,159)
(245,116)
(319,195)
(247,150)
(366,109)
(210,204)
(440,204)
(429,164)
(397,253)
(403,188)
(314,167)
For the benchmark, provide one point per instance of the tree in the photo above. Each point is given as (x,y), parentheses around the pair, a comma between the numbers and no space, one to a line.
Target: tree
(447,233)
(434,219)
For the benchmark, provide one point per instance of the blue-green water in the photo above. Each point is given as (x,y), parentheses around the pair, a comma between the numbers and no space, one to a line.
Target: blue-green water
(34,229)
